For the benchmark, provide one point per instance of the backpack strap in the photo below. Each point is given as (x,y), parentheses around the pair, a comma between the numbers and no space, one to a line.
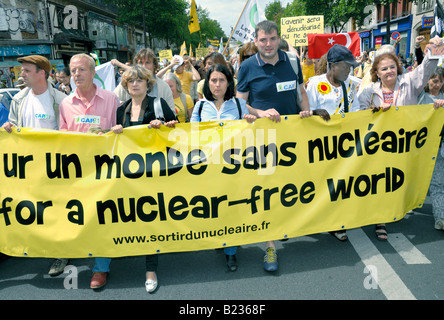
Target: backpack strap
(295,65)
(183,98)
(238,108)
(344,92)
(237,103)
(200,109)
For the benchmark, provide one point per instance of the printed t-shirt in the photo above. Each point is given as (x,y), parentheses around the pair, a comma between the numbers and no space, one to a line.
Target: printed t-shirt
(39,111)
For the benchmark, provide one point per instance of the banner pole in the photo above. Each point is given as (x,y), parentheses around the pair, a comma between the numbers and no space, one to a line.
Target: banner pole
(225,48)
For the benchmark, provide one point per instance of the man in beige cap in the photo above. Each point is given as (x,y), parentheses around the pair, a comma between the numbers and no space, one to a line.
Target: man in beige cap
(36,106)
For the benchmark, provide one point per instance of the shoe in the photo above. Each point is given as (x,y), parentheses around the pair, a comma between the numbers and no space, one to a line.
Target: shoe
(381,232)
(98,280)
(57,267)
(270,260)
(150,286)
(231,262)
(439,225)
(341,235)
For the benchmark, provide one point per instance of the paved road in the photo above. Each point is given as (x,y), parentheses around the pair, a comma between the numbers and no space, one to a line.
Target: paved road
(409,266)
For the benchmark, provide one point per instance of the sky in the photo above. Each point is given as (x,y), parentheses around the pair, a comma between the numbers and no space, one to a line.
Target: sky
(227,12)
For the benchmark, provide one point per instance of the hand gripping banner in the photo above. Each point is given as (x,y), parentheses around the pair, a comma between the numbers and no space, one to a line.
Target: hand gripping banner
(211,185)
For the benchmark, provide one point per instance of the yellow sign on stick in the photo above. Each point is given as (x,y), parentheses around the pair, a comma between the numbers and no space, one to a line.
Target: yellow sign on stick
(166,54)
(295,29)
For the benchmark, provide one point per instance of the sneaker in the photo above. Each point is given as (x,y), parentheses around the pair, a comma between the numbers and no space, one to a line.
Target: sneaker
(270,260)
(57,267)
(150,286)
(439,225)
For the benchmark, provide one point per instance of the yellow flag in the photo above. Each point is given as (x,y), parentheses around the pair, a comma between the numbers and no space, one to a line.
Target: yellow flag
(193,23)
(183,49)
(191,51)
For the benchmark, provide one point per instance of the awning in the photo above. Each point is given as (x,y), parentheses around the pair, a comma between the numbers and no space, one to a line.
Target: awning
(70,35)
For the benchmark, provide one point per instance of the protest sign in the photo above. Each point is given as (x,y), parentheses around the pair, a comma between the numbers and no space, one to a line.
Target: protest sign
(166,54)
(295,29)
(213,184)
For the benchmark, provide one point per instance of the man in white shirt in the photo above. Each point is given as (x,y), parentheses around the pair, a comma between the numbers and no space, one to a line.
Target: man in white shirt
(327,90)
(37,106)
(39,112)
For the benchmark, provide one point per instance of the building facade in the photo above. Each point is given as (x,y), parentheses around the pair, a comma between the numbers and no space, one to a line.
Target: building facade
(407,20)
(58,29)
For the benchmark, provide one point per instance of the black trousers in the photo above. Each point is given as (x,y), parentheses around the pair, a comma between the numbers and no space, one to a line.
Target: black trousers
(151,262)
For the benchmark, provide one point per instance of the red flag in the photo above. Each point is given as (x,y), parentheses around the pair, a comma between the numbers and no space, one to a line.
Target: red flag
(319,44)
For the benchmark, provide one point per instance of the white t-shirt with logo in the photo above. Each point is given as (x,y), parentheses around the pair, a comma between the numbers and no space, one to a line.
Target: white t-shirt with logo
(323,95)
(39,112)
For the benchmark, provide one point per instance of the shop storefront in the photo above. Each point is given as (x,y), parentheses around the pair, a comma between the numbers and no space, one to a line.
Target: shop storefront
(110,40)
(366,42)
(403,26)
(424,29)
(10,69)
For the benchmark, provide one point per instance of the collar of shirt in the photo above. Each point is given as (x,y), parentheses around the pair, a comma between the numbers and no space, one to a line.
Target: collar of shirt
(213,105)
(99,93)
(226,111)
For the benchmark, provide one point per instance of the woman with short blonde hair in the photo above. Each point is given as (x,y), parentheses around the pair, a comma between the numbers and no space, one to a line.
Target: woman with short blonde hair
(143,109)
(138,72)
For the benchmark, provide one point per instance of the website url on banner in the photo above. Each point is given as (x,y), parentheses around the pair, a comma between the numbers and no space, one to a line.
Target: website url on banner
(192,235)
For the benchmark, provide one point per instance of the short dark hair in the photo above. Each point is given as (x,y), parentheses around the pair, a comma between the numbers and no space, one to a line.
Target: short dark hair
(66,71)
(283,45)
(37,69)
(267,26)
(222,69)
(216,57)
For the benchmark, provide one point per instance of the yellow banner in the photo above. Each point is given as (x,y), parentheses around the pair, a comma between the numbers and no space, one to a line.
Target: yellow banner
(211,185)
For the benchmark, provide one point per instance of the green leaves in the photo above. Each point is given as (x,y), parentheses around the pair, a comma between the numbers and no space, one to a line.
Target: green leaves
(167,20)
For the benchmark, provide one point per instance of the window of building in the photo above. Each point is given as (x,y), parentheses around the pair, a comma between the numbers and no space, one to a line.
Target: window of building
(425,5)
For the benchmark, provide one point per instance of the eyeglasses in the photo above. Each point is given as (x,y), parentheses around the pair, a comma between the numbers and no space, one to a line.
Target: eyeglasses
(246,56)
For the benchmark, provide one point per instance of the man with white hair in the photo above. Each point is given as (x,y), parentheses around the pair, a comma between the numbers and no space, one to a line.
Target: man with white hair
(89,105)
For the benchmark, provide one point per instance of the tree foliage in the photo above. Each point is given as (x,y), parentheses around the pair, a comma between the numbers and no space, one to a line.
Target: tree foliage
(274,11)
(167,19)
(336,12)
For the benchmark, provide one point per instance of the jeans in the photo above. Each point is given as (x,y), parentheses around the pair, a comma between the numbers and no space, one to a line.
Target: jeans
(230,251)
(102,265)
(151,262)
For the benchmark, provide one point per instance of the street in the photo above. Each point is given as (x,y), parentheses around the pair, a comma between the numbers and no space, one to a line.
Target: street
(315,267)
